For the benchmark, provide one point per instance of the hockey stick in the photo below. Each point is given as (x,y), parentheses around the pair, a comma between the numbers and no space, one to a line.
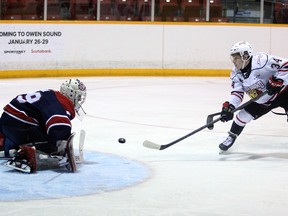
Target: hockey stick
(210,119)
(152,145)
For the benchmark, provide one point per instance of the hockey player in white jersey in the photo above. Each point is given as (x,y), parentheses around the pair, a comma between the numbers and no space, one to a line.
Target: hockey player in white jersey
(253,74)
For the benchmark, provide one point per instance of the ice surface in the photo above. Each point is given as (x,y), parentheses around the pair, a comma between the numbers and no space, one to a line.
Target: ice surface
(189,178)
(97,174)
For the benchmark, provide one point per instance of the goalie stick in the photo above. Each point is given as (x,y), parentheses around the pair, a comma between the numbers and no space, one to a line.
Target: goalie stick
(71,158)
(156,146)
(12,152)
(80,157)
(21,163)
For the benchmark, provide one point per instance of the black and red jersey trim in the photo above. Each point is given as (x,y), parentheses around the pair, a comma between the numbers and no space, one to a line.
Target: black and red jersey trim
(19,115)
(57,120)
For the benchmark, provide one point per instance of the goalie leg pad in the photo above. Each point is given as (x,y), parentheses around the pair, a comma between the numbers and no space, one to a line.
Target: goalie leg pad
(61,147)
(45,161)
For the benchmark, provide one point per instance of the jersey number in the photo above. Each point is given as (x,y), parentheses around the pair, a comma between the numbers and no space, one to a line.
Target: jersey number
(30,98)
(277,66)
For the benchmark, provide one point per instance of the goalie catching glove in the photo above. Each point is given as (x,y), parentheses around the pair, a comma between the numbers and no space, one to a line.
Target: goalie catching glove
(226,113)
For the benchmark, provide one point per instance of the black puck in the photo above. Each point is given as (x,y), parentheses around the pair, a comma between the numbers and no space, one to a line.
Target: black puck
(121,140)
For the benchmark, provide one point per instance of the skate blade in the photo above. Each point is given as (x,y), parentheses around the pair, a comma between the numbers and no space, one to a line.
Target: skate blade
(221,152)
(28,170)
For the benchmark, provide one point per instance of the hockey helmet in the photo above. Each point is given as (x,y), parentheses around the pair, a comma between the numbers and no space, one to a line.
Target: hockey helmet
(243,48)
(75,90)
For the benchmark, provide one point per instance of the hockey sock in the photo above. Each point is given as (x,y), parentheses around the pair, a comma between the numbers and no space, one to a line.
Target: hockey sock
(236,129)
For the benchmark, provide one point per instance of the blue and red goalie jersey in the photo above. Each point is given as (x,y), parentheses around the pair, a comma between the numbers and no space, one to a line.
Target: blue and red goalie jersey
(49,110)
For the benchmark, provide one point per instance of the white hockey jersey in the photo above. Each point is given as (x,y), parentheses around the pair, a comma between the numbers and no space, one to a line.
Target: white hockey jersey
(263,66)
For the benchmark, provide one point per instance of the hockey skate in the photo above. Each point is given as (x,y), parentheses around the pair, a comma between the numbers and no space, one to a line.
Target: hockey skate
(224,146)
(24,160)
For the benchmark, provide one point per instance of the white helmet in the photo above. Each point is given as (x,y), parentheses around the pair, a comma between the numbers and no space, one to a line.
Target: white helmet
(75,90)
(243,48)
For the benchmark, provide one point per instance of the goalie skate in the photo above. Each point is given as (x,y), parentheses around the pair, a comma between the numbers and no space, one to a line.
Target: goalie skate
(70,154)
(18,165)
(24,160)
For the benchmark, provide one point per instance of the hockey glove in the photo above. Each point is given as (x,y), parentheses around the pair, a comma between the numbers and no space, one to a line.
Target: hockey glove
(274,85)
(226,113)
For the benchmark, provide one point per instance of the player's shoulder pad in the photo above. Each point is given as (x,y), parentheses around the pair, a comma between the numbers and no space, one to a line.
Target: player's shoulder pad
(259,60)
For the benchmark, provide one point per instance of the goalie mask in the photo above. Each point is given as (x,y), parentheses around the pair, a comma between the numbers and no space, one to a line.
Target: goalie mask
(243,50)
(75,90)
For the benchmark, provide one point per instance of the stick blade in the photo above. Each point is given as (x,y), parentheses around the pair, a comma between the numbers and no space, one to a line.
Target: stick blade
(209,122)
(151,145)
